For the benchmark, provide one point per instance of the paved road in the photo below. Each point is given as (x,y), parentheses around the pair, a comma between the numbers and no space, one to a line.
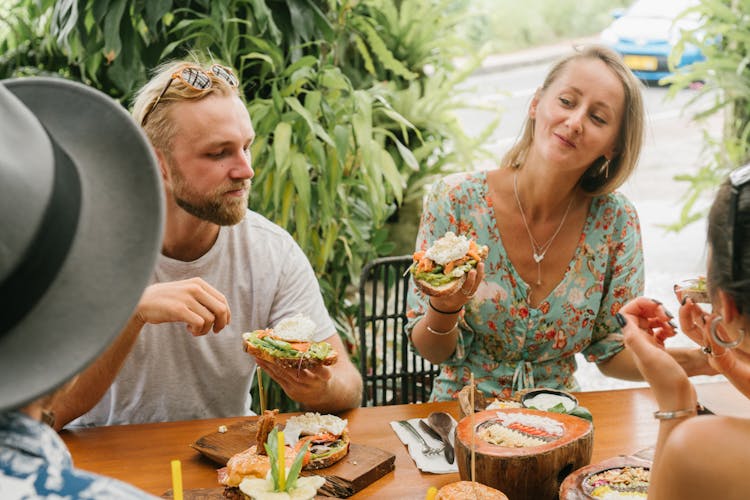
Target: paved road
(673,145)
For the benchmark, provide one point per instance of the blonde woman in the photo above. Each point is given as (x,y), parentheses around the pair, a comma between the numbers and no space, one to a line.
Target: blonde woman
(565,249)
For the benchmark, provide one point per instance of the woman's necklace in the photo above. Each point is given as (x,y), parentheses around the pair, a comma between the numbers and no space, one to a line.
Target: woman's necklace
(538,251)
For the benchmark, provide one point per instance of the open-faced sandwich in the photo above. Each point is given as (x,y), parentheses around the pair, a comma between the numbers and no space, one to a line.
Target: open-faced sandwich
(327,435)
(694,289)
(290,344)
(442,268)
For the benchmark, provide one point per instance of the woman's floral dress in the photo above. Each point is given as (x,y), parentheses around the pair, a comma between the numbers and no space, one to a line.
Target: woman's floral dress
(507,344)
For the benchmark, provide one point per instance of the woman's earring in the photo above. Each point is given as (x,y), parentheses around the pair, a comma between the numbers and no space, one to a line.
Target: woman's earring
(729,344)
(605,168)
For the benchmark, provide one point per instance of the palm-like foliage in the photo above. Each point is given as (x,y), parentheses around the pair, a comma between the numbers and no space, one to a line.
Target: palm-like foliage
(724,38)
(351,100)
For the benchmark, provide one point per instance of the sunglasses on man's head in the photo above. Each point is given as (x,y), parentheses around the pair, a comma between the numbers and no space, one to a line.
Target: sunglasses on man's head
(196,78)
(738,179)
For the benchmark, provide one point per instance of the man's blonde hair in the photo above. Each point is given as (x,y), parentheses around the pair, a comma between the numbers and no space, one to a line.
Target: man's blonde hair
(159,127)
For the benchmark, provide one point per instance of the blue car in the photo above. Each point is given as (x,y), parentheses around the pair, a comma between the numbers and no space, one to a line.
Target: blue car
(646,33)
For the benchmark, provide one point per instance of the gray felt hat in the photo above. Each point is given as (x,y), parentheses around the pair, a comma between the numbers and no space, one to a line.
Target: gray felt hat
(81,219)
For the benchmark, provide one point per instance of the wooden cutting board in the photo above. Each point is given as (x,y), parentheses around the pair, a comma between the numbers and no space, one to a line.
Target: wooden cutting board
(208,494)
(362,466)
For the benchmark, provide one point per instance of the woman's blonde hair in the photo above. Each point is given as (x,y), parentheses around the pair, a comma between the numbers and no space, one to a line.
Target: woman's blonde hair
(597,179)
(159,127)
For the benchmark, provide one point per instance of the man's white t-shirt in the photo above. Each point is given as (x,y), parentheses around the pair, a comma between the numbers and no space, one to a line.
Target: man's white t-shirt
(171,375)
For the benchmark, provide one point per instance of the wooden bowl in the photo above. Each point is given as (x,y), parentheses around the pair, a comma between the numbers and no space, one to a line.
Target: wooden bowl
(534,472)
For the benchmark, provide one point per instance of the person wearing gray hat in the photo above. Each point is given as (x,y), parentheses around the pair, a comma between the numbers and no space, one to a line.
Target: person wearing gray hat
(76,252)
(222,269)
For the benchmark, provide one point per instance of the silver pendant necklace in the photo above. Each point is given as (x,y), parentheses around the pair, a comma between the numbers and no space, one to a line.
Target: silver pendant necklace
(538,251)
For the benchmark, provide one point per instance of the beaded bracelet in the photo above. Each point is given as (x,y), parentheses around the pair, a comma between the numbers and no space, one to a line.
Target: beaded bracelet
(444,312)
(670,415)
(435,332)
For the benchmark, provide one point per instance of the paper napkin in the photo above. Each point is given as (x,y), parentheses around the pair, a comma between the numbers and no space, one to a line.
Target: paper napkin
(436,464)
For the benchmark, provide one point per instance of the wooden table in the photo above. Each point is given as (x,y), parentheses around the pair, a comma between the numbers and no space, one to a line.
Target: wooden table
(141,454)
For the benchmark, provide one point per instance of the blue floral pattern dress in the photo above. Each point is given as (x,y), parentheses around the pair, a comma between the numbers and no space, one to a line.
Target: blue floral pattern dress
(507,344)
(34,463)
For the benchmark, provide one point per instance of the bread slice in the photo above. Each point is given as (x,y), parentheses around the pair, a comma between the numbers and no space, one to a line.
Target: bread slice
(438,291)
(301,362)
(468,490)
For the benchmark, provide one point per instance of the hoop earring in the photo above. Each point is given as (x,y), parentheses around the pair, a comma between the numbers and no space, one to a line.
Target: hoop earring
(729,345)
(604,169)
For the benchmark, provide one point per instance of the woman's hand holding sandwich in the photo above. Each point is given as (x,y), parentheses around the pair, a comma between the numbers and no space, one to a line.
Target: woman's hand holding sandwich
(435,336)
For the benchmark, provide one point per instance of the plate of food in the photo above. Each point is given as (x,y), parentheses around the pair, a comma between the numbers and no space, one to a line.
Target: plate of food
(347,467)
(618,477)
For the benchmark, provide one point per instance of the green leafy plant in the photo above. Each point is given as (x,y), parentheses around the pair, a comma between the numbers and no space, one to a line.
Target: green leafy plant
(724,38)
(351,101)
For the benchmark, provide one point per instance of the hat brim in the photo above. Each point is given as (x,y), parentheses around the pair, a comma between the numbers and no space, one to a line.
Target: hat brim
(115,246)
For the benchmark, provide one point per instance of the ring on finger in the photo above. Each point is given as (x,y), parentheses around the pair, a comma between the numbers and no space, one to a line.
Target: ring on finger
(468,294)
(708,351)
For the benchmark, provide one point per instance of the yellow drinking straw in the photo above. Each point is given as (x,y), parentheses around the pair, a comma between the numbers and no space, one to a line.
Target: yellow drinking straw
(431,493)
(261,394)
(176,480)
(473,446)
(282,462)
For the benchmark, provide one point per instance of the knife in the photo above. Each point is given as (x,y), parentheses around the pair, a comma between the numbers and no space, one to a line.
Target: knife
(429,430)
(449,453)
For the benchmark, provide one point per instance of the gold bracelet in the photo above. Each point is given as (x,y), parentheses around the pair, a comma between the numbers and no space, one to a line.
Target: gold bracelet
(670,415)
(435,332)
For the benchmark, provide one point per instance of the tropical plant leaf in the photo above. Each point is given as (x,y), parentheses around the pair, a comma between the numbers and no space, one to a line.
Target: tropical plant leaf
(112,41)
(349,126)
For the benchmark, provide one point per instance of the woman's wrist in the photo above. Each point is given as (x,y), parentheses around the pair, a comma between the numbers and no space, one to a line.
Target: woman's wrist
(675,414)
(444,311)
(441,333)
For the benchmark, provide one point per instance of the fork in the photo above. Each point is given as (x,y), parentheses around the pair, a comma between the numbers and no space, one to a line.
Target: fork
(427,450)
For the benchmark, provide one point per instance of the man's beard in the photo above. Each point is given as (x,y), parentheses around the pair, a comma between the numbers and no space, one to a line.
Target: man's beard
(213,206)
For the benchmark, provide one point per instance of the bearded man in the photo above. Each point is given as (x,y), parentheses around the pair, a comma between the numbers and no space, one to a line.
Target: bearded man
(222,269)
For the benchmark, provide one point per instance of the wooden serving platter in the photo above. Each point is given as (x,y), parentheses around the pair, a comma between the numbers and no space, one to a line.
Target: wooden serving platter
(207,494)
(362,466)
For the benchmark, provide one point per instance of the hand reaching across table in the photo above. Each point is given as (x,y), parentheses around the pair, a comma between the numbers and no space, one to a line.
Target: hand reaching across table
(701,457)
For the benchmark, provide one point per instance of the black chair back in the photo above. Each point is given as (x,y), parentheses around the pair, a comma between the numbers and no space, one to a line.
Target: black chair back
(392,372)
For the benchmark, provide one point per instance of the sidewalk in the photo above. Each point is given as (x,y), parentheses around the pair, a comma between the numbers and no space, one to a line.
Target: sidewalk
(533,55)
